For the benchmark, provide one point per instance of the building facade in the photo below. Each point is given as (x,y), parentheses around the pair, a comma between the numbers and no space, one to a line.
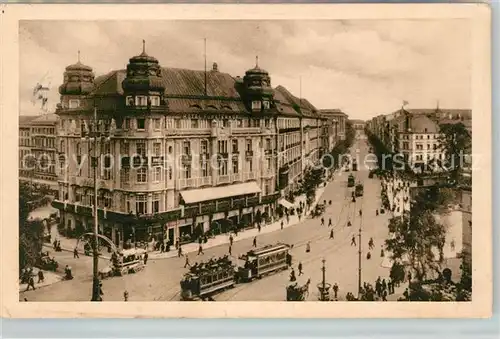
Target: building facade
(337,125)
(37,149)
(186,152)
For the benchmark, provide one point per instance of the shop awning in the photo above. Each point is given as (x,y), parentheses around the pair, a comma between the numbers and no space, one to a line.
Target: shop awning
(220,192)
(285,203)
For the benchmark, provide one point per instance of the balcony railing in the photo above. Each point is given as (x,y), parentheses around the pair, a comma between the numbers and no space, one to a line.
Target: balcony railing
(249,154)
(249,176)
(223,179)
(246,130)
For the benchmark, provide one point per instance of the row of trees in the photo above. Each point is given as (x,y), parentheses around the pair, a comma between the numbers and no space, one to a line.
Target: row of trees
(31,196)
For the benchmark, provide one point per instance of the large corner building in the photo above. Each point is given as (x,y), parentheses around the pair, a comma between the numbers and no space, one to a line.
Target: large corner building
(216,150)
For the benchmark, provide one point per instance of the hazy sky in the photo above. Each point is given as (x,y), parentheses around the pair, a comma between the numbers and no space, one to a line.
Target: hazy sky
(364,67)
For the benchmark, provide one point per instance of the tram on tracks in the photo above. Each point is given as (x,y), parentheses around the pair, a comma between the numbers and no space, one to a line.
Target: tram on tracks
(207,279)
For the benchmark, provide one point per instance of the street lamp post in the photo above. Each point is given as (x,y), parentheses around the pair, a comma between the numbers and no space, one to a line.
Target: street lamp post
(93,135)
(324,287)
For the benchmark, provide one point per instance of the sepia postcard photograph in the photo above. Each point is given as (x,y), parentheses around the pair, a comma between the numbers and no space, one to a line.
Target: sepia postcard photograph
(246,161)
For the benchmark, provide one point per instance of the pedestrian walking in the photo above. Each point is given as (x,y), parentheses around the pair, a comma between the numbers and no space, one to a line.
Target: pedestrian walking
(452,245)
(292,275)
(282,223)
(384,285)
(382,254)
(125,296)
(353,241)
(384,295)
(186,263)
(371,244)
(406,294)
(349,224)
(330,222)
(335,290)
(322,221)
(146,256)
(179,251)
(368,256)
(308,247)
(230,250)
(41,277)
(258,227)
(299,215)
(75,253)
(200,250)
(409,276)
(376,212)
(231,240)
(331,234)
(300,268)
(254,242)
(31,283)
(360,213)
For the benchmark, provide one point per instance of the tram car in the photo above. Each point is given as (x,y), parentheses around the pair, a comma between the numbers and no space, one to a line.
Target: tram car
(350,181)
(124,262)
(207,279)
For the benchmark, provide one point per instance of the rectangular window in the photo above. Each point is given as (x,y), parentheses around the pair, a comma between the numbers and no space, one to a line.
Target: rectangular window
(108,201)
(129,101)
(266,122)
(187,171)
(267,104)
(222,146)
(186,147)
(125,148)
(156,203)
(157,172)
(225,123)
(249,145)
(178,123)
(157,149)
(127,123)
(204,147)
(157,124)
(124,175)
(141,148)
(250,165)
(268,144)
(194,123)
(204,169)
(222,164)
(239,123)
(141,100)
(141,204)
(74,103)
(235,166)
(141,124)
(155,101)
(142,175)
(256,105)
(269,164)
(235,145)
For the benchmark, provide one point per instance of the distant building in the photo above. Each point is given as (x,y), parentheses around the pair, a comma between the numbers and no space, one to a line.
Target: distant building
(194,151)
(337,122)
(37,149)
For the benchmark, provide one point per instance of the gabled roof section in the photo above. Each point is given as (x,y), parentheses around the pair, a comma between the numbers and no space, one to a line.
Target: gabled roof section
(305,106)
(420,123)
(46,119)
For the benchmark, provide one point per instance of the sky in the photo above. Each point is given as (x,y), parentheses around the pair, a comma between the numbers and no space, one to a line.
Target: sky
(363,67)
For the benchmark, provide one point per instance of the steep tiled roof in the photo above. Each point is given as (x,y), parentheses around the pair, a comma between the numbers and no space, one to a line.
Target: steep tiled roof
(185,89)
(423,124)
(45,119)
(24,120)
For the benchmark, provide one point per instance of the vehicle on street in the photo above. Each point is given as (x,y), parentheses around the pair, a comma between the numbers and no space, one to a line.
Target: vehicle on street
(359,190)
(350,181)
(47,263)
(294,292)
(124,262)
(207,279)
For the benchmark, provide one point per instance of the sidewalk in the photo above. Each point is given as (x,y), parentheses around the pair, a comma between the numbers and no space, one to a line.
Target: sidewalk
(224,238)
(50,278)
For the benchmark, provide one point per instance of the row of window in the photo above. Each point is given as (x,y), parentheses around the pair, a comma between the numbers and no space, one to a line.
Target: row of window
(142,100)
(43,130)
(421,137)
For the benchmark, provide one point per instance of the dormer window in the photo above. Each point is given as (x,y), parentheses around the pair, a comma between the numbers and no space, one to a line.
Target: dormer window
(256,105)
(141,100)
(155,100)
(74,103)
(130,101)
(267,104)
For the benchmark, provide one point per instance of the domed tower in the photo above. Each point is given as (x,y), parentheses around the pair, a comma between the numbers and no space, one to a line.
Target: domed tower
(143,85)
(258,90)
(78,83)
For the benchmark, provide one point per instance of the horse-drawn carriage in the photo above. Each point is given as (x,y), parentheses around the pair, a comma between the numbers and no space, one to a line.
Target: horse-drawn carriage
(318,210)
(294,292)
(47,263)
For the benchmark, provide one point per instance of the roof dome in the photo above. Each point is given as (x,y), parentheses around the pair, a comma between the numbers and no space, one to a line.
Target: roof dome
(256,70)
(78,79)
(257,81)
(143,73)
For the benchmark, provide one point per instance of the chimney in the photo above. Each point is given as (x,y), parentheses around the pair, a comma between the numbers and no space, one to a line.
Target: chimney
(215,68)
